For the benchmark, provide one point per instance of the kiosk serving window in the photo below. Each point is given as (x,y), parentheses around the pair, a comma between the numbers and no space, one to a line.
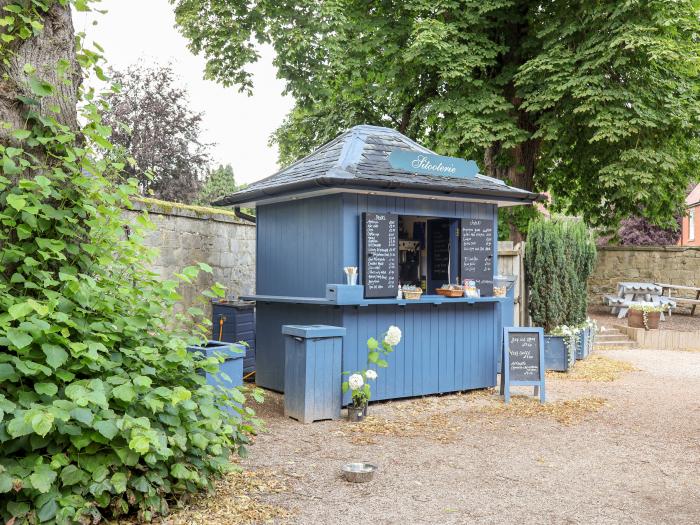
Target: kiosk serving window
(427,252)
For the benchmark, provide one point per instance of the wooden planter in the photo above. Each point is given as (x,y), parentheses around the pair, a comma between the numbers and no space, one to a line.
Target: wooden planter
(635,319)
(230,374)
(584,344)
(557,356)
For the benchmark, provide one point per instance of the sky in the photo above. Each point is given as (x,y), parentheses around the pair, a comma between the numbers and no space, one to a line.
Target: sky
(138,30)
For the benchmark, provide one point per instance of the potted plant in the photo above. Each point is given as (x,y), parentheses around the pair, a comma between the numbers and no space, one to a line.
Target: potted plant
(560,348)
(357,382)
(361,394)
(644,316)
(559,257)
(586,333)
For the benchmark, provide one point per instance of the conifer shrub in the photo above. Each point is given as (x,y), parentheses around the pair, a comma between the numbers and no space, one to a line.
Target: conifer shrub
(559,258)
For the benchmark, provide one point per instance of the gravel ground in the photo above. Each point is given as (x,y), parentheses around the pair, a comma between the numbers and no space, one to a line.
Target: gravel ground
(635,460)
(683,322)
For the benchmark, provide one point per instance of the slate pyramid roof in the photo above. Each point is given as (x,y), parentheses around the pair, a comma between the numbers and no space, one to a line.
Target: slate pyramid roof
(358,160)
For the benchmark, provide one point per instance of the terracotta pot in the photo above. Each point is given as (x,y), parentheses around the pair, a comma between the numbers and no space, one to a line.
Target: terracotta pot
(635,319)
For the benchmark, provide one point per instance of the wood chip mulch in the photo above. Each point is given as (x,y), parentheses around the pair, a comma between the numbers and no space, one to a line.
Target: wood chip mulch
(238,500)
(594,368)
(443,419)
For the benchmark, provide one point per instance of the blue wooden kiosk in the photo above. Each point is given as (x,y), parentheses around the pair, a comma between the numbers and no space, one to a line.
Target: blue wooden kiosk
(374,199)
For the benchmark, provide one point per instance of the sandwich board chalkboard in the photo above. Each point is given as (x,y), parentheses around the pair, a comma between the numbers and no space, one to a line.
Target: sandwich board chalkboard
(522,360)
(380,264)
(477,253)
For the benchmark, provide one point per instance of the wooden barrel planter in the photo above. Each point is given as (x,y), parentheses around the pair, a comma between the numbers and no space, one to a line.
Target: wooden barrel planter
(635,319)
(557,356)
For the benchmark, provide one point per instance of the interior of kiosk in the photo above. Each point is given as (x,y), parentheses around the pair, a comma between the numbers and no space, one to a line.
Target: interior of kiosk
(428,252)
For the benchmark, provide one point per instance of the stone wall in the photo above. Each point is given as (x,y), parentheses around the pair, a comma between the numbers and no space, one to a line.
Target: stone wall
(185,235)
(666,264)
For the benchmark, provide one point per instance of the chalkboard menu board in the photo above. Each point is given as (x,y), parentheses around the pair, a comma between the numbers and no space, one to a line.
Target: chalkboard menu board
(523,360)
(439,246)
(524,356)
(381,254)
(477,253)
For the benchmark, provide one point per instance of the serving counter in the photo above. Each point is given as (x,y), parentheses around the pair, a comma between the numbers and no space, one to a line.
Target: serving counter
(448,344)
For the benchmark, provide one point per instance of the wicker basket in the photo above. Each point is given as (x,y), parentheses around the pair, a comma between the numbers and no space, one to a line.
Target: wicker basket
(412,295)
(449,293)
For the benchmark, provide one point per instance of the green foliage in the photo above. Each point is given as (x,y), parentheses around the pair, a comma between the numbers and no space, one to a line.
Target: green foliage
(515,219)
(595,100)
(153,123)
(560,256)
(376,353)
(102,411)
(220,182)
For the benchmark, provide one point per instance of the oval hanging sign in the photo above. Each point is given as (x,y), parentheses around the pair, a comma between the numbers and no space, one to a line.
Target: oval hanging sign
(430,164)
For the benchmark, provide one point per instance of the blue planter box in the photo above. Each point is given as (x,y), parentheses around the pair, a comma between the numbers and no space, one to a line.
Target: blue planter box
(584,344)
(312,371)
(234,355)
(556,353)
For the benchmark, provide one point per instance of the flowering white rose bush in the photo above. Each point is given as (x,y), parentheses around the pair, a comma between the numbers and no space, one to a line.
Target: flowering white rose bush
(393,336)
(357,382)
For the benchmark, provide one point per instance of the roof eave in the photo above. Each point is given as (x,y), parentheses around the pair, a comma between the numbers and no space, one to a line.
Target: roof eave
(244,196)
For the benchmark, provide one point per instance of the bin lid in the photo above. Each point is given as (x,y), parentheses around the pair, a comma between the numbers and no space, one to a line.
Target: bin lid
(311,331)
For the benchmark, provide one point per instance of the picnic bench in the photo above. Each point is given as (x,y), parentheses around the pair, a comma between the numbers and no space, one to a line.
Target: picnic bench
(636,293)
(668,287)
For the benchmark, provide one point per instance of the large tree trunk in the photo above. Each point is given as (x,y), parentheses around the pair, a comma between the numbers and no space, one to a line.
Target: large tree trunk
(44,51)
(516,166)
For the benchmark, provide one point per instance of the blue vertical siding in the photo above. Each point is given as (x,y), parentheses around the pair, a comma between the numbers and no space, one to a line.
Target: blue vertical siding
(270,341)
(303,245)
(299,246)
(445,348)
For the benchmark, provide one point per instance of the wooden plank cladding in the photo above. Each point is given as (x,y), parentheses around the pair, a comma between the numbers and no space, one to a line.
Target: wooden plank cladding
(445,348)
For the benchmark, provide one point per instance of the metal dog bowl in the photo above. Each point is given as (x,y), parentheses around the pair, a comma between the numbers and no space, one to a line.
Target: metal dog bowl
(358,472)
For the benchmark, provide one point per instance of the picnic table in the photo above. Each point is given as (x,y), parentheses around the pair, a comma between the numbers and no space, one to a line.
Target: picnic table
(668,287)
(638,293)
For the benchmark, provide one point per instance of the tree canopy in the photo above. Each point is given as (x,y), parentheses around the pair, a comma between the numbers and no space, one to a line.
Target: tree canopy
(595,101)
(153,123)
(218,183)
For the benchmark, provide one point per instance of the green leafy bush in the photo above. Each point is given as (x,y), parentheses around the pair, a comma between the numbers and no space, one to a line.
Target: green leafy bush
(102,411)
(559,257)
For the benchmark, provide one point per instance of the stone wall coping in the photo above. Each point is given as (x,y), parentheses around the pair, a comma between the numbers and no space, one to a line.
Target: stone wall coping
(203,213)
(648,248)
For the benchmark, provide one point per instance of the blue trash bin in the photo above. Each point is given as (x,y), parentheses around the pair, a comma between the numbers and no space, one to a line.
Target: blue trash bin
(312,371)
